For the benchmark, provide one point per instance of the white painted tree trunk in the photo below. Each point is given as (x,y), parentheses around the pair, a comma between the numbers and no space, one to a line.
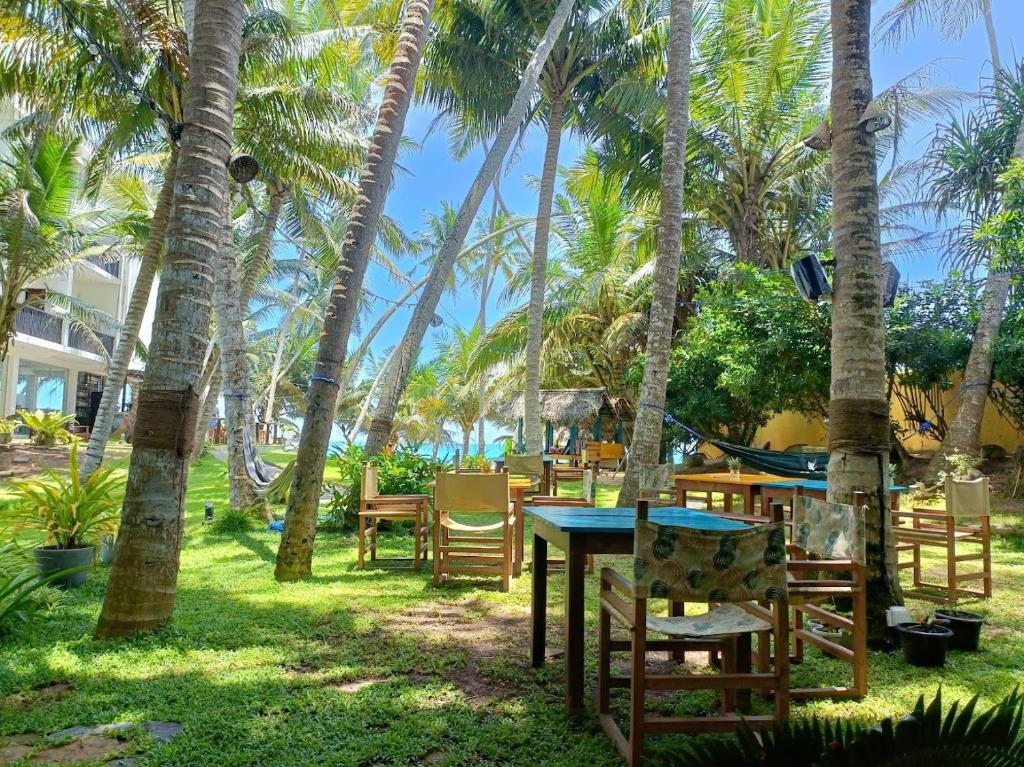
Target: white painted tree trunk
(646,445)
(534,430)
(295,554)
(859,410)
(143,579)
(124,352)
(383,420)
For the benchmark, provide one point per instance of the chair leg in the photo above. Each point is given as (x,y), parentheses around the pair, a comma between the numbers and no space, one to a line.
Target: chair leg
(952,584)
(637,690)
(782,662)
(604,662)
(361,529)
(373,539)
(416,544)
(437,547)
(506,563)
(729,653)
(986,556)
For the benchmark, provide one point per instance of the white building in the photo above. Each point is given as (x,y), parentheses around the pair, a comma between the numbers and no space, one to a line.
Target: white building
(52,365)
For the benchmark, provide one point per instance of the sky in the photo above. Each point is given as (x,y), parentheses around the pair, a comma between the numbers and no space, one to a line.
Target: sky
(429,176)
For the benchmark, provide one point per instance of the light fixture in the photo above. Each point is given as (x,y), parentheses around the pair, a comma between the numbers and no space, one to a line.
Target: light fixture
(243,168)
(890,283)
(436,321)
(819,139)
(875,117)
(809,276)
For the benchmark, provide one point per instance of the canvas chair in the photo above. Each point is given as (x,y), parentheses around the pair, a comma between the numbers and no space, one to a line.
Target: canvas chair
(566,468)
(530,466)
(374,507)
(467,547)
(965,521)
(733,569)
(656,485)
(827,562)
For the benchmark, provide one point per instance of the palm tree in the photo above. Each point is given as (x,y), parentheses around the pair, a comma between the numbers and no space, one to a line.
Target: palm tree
(143,580)
(450,250)
(646,444)
(295,554)
(859,410)
(478,48)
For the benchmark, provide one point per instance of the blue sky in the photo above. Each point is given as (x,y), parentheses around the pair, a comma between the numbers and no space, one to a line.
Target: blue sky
(431,176)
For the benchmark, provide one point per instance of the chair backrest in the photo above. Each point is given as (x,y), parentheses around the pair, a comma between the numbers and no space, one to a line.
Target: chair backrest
(968,497)
(368,487)
(829,530)
(612,451)
(656,477)
(471,492)
(527,465)
(588,484)
(683,564)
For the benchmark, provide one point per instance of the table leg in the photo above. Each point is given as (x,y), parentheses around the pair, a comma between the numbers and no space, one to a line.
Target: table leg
(545,479)
(520,535)
(727,502)
(744,666)
(575,560)
(748,500)
(539,604)
(894,501)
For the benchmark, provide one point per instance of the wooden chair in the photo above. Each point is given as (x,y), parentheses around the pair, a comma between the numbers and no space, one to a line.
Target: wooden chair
(732,569)
(530,466)
(656,485)
(566,468)
(827,562)
(469,548)
(965,521)
(374,507)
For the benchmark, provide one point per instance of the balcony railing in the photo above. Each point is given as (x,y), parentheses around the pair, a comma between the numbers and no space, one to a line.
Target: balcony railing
(35,322)
(78,339)
(113,268)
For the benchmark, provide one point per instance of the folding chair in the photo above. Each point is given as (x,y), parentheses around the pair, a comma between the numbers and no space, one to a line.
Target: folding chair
(965,521)
(827,562)
(731,569)
(529,466)
(374,507)
(466,547)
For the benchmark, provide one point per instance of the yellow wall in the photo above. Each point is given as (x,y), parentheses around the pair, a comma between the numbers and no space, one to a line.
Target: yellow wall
(790,428)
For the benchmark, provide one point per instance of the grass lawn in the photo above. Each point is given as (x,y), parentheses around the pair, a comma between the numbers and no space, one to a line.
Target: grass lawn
(377,667)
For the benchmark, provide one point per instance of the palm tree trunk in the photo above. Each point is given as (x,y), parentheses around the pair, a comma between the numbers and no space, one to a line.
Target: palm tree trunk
(993,39)
(535,311)
(117,373)
(234,367)
(481,319)
(143,580)
(282,339)
(859,411)
(371,395)
(295,555)
(383,420)
(646,445)
(209,393)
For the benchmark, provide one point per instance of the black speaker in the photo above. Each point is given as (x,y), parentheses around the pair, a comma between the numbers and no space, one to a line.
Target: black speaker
(810,279)
(890,283)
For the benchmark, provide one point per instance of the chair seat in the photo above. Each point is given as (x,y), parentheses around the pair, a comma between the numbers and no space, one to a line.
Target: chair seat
(917,534)
(727,620)
(461,527)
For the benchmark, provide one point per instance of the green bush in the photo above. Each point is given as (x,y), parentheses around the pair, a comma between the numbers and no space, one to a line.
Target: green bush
(47,428)
(22,592)
(237,520)
(403,472)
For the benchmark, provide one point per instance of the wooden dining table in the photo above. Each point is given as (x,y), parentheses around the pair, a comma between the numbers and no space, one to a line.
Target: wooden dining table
(578,532)
(746,486)
(814,488)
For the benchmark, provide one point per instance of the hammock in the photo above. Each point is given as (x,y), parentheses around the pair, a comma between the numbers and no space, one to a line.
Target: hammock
(802,465)
(260,474)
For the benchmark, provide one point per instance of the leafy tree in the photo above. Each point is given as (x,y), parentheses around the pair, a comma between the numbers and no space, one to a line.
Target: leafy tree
(754,349)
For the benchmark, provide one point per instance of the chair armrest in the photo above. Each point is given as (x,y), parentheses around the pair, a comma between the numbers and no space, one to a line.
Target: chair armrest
(411,497)
(829,565)
(616,582)
(920,514)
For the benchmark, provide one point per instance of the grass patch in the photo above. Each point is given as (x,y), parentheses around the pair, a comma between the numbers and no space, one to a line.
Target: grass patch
(378,667)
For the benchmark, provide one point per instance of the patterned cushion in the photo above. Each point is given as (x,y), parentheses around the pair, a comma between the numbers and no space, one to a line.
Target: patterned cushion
(688,565)
(829,530)
(726,620)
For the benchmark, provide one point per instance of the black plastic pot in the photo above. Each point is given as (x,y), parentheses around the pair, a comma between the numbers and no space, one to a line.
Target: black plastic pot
(966,628)
(50,559)
(924,644)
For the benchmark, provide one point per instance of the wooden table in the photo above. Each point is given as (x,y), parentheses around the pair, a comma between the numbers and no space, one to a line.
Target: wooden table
(745,485)
(814,488)
(578,532)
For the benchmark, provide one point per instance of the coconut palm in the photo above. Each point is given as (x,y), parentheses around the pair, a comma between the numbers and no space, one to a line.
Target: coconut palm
(859,409)
(474,57)
(143,580)
(295,553)
(646,445)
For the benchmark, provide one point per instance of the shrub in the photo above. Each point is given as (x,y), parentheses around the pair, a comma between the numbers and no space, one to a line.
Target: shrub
(233,520)
(478,462)
(404,472)
(23,593)
(47,428)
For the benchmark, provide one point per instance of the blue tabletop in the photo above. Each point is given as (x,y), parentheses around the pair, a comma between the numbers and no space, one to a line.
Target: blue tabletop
(575,519)
(819,484)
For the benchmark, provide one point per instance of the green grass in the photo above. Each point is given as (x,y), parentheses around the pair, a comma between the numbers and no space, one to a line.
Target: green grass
(262,673)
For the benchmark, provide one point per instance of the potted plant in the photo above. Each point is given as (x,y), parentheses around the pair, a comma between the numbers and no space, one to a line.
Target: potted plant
(966,627)
(70,513)
(7,427)
(735,467)
(924,643)
(47,428)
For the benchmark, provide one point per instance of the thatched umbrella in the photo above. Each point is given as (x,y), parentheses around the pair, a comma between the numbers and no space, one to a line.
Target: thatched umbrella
(563,409)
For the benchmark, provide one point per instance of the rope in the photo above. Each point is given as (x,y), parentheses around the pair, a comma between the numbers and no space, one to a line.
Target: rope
(325,379)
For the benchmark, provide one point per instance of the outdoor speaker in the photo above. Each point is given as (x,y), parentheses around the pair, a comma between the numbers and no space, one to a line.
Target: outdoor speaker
(810,279)
(890,283)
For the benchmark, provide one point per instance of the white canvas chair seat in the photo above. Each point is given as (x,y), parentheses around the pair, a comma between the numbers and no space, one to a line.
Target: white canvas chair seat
(727,620)
(461,527)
